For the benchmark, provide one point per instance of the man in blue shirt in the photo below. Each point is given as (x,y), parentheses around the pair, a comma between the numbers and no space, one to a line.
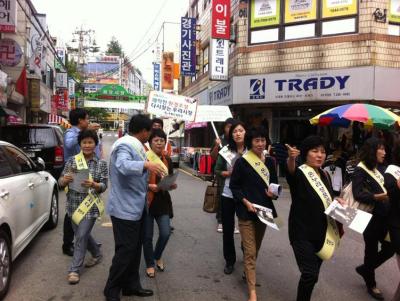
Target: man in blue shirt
(127,200)
(79,120)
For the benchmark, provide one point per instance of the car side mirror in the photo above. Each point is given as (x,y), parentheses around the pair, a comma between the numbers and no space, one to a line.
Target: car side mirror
(39,164)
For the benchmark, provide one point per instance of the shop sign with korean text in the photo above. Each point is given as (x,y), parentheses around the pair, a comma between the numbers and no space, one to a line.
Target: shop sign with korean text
(264,13)
(156,76)
(34,94)
(62,99)
(300,10)
(172,106)
(394,11)
(62,80)
(188,46)
(59,60)
(10,52)
(219,59)
(319,85)
(168,71)
(220,19)
(8,16)
(337,8)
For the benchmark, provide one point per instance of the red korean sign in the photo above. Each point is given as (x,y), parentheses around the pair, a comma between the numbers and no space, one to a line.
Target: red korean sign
(220,19)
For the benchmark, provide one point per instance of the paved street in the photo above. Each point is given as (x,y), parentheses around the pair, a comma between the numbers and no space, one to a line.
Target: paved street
(194,262)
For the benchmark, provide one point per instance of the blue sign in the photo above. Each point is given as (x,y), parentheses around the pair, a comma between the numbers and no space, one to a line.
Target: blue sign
(188,46)
(156,76)
(257,88)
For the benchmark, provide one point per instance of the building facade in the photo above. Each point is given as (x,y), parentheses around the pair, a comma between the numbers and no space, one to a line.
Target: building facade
(289,61)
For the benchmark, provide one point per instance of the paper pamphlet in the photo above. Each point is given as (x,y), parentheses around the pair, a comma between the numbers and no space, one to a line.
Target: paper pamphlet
(79,176)
(167,181)
(355,219)
(265,215)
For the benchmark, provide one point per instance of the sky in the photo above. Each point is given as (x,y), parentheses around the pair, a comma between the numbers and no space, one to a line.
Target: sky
(127,20)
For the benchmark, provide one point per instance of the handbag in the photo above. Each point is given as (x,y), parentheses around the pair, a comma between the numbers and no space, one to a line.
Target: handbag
(210,204)
(347,195)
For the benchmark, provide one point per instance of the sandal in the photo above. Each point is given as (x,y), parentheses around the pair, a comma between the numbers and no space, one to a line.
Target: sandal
(73,278)
(160,266)
(150,274)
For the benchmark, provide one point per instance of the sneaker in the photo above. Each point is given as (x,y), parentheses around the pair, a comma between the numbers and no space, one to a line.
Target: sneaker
(219,228)
(236,231)
(73,278)
(92,261)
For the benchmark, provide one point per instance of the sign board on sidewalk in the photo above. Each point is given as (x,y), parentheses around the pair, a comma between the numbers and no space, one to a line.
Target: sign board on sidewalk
(172,106)
(213,113)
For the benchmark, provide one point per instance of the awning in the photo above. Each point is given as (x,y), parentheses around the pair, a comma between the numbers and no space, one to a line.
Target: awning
(55,119)
(195,125)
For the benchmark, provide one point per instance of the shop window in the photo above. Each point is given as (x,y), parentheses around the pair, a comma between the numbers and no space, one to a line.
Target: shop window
(394,30)
(205,59)
(338,26)
(281,20)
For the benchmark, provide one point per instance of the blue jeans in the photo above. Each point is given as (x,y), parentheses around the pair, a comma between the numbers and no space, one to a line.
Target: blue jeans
(83,241)
(164,229)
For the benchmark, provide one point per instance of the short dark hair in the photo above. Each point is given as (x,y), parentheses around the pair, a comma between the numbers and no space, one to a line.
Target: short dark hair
(396,153)
(157,120)
(368,152)
(139,123)
(308,144)
(231,143)
(229,120)
(76,114)
(88,134)
(256,132)
(157,133)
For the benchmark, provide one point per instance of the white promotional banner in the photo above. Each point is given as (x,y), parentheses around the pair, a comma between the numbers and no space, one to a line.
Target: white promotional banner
(172,106)
(335,84)
(212,113)
(219,59)
(113,104)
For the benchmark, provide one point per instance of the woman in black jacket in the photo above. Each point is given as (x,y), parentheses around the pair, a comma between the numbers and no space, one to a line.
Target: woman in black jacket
(313,235)
(368,188)
(250,180)
(392,184)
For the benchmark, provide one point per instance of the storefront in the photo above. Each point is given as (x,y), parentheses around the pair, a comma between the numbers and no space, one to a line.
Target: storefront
(284,102)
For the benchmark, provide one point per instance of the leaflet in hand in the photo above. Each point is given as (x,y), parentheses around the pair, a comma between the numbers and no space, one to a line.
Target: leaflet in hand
(356,220)
(265,215)
(79,177)
(167,181)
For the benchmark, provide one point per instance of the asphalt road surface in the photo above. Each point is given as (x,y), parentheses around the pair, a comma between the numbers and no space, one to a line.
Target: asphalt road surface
(194,261)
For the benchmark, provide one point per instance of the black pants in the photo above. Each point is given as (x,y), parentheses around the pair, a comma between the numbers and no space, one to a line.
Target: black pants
(395,238)
(68,236)
(309,265)
(374,234)
(228,225)
(124,270)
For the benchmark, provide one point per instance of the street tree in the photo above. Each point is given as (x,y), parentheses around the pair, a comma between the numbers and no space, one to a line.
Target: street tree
(98,114)
(114,47)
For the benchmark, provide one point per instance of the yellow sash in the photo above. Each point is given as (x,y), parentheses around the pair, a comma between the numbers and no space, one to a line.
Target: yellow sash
(258,165)
(375,174)
(152,157)
(90,200)
(332,236)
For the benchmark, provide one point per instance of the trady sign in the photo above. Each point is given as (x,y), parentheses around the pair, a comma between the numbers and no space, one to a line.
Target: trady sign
(334,84)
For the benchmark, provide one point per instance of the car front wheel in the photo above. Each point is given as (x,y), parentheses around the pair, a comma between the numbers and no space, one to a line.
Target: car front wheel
(53,215)
(5,263)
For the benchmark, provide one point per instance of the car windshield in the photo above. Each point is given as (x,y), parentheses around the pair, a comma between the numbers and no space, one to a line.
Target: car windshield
(29,136)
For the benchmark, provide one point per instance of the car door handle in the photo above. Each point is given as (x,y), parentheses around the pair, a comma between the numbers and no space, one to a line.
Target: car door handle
(4,194)
(31,185)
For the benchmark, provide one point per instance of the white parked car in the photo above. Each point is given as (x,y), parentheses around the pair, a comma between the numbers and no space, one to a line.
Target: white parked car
(28,202)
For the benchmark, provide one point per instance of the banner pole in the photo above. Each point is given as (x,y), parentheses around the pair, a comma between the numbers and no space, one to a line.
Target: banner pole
(168,130)
(215,131)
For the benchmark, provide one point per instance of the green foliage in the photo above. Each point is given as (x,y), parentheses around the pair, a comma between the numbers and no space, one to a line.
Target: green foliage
(72,70)
(97,114)
(114,47)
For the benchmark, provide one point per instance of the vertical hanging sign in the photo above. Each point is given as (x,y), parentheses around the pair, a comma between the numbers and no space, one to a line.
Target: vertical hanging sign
(8,16)
(219,62)
(156,76)
(188,46)
(220,19)
(168,70)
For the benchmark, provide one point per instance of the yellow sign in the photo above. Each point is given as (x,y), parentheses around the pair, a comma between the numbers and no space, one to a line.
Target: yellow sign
(300,10)
(264,13)
(337,8)
(394,11)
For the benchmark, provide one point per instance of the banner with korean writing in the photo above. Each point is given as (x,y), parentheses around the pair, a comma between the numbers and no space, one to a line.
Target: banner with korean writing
(156,76)
(394,11)
(207,113)
(264,13)
(337,8)
(220,19)
(219,59)
(168,71)
(171,106)
(188,46)
(8,16)
(300,10)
